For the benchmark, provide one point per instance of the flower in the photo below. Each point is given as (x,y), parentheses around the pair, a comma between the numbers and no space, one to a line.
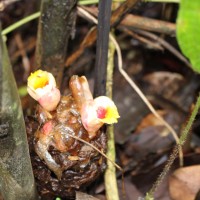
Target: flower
(95,113)
(106,110)
(41,86)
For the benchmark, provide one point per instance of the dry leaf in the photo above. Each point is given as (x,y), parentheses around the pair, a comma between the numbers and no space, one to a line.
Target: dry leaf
(184,183)
(151,120)
(84,196)
(73,158)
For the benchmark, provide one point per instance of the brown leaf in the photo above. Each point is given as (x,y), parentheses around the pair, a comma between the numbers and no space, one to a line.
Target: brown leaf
(151,120)
(164,83)
(84,196)
(184,183)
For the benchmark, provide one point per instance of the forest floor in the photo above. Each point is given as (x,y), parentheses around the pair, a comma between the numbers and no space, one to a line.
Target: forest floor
(143,144)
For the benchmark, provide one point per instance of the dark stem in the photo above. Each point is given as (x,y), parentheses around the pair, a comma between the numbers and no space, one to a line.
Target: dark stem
(55,27)
(103,30)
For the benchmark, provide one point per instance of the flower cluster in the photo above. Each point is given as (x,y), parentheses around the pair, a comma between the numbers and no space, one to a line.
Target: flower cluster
(94,112)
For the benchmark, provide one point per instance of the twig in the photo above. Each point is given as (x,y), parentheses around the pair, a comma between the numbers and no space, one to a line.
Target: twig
(141,39)
(103,154)
(165,44)
(117,15)
(144,23)
(134,21)
(28,46)
(25,60)
(142,96)
(87,2)
(115,19)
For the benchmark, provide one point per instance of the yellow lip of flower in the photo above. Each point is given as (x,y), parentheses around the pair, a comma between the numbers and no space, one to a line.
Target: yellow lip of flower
(38,79)
(40,83)
(42,87)
(106,110)
(111,115)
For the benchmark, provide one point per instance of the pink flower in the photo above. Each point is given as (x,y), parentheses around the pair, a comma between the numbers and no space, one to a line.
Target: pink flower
(94,112)
(42,87)
(97,112)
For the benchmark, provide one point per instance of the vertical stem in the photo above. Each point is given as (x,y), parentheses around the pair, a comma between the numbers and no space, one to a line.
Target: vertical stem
(103,29)
(16,176)
(175,151)
(55,27)
(110,174)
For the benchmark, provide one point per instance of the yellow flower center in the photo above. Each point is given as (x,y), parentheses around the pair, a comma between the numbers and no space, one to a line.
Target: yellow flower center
(38,79)
(111,115)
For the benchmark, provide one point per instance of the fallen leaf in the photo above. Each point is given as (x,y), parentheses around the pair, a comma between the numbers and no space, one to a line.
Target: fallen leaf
(73,158)
(151,120)
(131,192)
(184,183)
(163,83)
(84,196)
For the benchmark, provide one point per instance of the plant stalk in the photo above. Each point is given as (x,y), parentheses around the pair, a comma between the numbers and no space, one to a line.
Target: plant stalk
(175,151)
(110,174)
(56,24)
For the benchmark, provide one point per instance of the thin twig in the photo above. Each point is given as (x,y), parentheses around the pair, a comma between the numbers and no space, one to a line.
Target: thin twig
(88,2)
(116,17)
(103,154)
(166,45)
(148,42)
(25,60)
(142,96)
(149,24)
(131,21)
(83,12)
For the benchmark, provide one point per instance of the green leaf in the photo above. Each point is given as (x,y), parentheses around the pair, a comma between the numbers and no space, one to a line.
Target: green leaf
(188,31)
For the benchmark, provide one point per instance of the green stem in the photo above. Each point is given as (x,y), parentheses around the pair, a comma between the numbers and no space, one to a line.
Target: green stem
(87,2)
(163,1)
(81,2)
(20,23)
(174,153)
(110,174)
(186,130)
